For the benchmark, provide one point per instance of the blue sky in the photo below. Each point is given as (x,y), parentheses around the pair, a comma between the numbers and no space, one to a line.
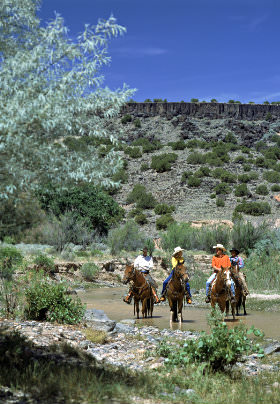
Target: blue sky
(183,49)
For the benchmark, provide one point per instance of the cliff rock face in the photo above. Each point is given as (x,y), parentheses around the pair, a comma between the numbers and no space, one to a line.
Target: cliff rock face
(202,110)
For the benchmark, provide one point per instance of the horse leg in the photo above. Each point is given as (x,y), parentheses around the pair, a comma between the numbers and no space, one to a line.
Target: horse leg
(152,306)
(137,308)
(243,303)
(180,309)
(233,310)
(175,311)
(144,308)
(227,308)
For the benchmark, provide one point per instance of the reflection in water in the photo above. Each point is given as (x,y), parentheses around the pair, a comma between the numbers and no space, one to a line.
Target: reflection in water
(194,319)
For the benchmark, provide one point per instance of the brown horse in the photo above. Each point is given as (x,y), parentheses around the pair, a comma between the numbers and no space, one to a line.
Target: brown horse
(175,292)
(141,289)
(239,292)
(220,291)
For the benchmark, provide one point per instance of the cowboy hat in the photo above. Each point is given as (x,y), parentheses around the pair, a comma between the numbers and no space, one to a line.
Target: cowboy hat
(235,249)
(220,246)
(177,250)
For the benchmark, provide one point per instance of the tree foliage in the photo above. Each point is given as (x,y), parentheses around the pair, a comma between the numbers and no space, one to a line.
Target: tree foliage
(50,88)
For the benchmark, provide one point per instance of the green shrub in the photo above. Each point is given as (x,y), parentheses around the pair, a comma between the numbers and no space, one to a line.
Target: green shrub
(125,238)
(222,188)
(261,162)
(222,347)
(272,176)
(241,190)
(180,145)
(125,119)
(10,254)
(134,212)
(9,240)
(196,158)
(164,221)
(194,182)
(88,204)
(246,167)
(136,194)
(191,238)
(139,195)
(185,176)
(163,162)
(220,202)
(260,146)
(120,176)
(254,208)
(44,262)
(245,235)
(46,300)
(203,172)
(144,167)
(275,188)
(218,172)
(137,123)
(212,196)
(262,190)
(133,152)
(194,100)
(213,160)
(230,138)
(228,177)
(147,145)
(89,271)
(162,209)
(273,153)
(244,178)
(141,219)
(240,159)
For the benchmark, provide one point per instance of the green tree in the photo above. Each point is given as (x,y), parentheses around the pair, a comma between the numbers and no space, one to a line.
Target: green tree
(50,88)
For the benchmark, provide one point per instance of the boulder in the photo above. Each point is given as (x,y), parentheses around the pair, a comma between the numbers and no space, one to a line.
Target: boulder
(98,320)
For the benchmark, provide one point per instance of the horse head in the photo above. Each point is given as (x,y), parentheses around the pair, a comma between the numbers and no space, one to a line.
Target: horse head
(128,273)
(225,275)
(181,271)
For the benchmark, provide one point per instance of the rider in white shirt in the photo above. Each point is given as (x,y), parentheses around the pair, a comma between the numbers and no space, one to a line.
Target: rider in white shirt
(144,263)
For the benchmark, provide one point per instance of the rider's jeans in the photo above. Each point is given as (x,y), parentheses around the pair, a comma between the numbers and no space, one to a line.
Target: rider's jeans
(210,280)
(188,289)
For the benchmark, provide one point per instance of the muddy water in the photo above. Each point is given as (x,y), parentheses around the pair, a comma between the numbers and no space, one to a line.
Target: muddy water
(195,319)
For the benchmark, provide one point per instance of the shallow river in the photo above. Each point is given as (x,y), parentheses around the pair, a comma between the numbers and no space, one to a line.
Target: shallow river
(195,319)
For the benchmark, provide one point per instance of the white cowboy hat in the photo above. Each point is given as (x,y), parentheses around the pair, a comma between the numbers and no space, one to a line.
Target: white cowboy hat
(220,246)
(176,250)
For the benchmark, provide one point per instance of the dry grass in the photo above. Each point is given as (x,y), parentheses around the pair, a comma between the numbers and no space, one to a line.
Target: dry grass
(96,336)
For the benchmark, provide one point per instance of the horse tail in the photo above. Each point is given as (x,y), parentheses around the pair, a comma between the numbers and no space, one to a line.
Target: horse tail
(134,306)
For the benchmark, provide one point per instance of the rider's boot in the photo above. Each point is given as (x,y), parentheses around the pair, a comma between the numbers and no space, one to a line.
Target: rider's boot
(127,299)
(162,297)
(156,299)
(188,299)
(208,297)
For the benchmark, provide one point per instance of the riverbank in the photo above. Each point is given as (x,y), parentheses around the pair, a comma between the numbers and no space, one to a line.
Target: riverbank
(131,348)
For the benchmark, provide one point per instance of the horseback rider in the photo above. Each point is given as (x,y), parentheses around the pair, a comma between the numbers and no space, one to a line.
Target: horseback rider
(144,263)
(220,259)
(238,261)
(177,258)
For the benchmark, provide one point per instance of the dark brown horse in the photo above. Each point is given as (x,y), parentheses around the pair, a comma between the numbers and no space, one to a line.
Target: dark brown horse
(175,292)
(240,296)
(220,291)
(141,289)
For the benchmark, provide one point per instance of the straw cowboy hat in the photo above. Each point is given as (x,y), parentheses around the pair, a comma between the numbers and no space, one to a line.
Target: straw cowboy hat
(176,250)
(220,246)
